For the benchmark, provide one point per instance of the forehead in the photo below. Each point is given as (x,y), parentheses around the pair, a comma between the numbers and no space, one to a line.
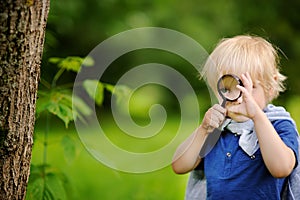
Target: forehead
(255,73)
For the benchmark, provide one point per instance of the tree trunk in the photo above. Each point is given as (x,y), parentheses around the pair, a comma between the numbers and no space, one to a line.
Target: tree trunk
(22,32)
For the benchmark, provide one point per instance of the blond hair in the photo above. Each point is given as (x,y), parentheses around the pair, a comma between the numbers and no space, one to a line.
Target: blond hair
(242,54)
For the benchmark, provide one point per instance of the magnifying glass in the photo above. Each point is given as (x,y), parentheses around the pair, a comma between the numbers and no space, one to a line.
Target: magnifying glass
(229,92)
(227,88)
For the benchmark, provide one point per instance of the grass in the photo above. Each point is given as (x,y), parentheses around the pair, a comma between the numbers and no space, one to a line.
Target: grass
(92,180)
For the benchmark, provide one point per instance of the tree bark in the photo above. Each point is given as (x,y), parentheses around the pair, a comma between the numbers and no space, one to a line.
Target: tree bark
(22,32)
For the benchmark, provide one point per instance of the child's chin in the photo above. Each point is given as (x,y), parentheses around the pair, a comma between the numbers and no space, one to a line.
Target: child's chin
(239,118)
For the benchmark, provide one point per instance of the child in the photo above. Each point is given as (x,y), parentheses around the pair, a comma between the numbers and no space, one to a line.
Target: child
(258,147)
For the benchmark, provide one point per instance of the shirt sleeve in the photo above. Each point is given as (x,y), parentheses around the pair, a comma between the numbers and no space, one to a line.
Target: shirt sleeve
(289,135)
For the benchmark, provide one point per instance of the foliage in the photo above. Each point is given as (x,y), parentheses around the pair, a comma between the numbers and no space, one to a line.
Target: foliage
(72,63)
(44,183)
(46,186)
(92,180)
(59,103)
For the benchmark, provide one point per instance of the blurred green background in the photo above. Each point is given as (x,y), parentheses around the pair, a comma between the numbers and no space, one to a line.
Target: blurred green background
(75,27)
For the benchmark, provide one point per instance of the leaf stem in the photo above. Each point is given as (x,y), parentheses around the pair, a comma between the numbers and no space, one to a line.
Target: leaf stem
(45,83)
(56,77)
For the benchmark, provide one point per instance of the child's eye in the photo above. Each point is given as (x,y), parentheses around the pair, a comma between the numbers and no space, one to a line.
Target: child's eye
(224,90)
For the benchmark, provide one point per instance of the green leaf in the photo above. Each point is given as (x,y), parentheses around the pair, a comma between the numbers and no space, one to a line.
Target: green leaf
(55,60)
(74,102)
(61,106)
(122,93)
(36,172)
(63,112)
(109,87)
(59,103)
(95,90)
(71,63)
(80,109)
(54,188)
(80,106)
(88,61)
(35,186)
(35,189)
(69,148)
(42,103)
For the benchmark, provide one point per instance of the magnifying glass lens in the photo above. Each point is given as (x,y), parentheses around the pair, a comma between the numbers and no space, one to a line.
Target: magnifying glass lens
(227,87)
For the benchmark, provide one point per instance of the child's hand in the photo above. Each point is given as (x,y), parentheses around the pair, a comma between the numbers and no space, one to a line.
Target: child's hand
(213,118)
(246,105)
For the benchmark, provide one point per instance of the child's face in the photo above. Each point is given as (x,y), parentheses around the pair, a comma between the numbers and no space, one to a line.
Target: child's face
(258,95)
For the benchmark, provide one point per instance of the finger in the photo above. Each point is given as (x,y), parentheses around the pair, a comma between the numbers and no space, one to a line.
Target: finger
(240,100)
(214,123)
(220,109)
(215,116)
(247,81)
(246,93)
(250,80)
(220,114)
(210,124)
(242,89)
(207,118)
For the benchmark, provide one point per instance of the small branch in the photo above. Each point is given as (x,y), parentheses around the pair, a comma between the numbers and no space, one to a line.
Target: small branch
(56,77)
